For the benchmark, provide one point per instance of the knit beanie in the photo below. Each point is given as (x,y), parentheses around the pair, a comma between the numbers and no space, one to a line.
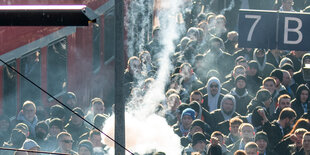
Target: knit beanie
(240,77)
(57,111)
(263,95)
(200,123)
(198,137)
(278,74)
(188,112)
(253,64)
(261,135)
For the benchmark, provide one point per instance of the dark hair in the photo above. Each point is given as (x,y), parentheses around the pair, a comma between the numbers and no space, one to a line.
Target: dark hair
(235,120)
(287,113)
(240,152)
(300,123)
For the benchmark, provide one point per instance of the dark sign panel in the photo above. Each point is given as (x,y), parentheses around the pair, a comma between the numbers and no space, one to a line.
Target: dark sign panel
(273,29)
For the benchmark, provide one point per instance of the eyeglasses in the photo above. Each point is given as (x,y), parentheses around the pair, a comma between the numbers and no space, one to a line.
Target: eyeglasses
(216,86)
(68,141)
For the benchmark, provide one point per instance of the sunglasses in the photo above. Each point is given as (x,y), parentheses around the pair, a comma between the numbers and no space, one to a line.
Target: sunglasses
(68,141)
(216,86)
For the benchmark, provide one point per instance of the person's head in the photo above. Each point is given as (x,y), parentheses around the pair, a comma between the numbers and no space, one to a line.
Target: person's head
(246,131)
(240,152)
(261,139)
(197,126)
(287,115)
(199,141)
(76,120)
(216,44)
(288,67)
(70,99)
(286,78)
(187,117)
(284,101)
(95,137)
(240,82)
(184,42)
(251,148)
(65,141)
(277,74)
(99,120)
(196,95)
(57,111)
(302,93)
(196,106)
(180,110)
(220,136)
(97,106)
(241,61)
(220,21)
(253,68)
(234,124)
(134,65)
(193,33)
(5,123)
(173,101)
(85,148)
(228,104)
(55,127)
(30,144)
(269,83)
(17,138)
(301,123)
(299,134)
(238,70)
(29,110)
(145,57)
(306,141)
(259,53)
(305,60)
(186,71)
(213,86)
(287,5)
(41,130)
(23,127)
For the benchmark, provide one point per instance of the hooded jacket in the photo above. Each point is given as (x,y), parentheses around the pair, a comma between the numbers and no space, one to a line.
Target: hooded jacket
(296,103)
(219,115)
(211,102)
(298,76)
(242,101)
(264,68)
(31,125)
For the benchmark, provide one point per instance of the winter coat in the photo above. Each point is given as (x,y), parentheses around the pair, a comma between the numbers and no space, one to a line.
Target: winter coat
(242,101)
(218,115)
(296,103)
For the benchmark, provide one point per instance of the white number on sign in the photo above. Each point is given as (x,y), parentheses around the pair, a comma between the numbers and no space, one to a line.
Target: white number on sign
(257,19)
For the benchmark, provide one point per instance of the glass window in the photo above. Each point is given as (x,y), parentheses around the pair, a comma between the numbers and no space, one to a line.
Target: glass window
(57,67)
(109,35)
(30,66)
(9,90)
(96,46)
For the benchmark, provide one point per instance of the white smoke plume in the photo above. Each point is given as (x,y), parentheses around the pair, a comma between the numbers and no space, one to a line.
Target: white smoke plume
(145,130)
(231,5)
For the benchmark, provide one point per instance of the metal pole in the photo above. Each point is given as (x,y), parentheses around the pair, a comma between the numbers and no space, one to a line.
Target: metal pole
(119,78)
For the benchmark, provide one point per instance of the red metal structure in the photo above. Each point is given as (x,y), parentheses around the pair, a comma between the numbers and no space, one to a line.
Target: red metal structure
(59,59)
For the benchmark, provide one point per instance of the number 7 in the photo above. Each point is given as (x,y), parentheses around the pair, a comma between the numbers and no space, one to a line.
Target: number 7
(257,17)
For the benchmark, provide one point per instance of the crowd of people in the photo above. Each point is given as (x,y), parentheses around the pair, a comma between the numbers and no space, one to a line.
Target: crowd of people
(62,132)
(220,98)
(224,99)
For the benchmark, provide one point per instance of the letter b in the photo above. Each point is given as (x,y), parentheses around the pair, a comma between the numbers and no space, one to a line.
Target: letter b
(292,30)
